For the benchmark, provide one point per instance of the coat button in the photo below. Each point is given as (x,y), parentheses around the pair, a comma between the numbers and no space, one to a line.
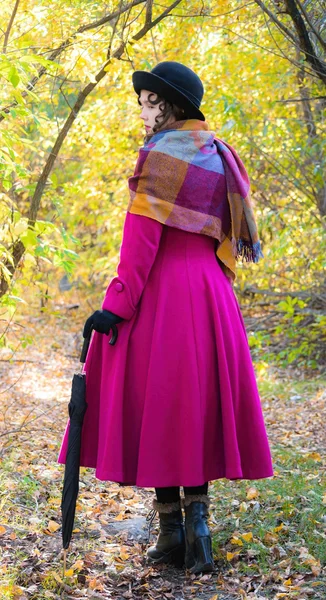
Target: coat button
(119,286)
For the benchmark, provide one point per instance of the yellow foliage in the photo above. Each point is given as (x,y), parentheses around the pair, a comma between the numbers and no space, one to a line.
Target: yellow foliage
(236,540)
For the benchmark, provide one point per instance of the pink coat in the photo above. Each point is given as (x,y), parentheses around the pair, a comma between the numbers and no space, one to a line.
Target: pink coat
(174,401)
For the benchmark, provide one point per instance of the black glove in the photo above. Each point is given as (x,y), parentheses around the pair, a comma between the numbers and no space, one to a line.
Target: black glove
(101,321)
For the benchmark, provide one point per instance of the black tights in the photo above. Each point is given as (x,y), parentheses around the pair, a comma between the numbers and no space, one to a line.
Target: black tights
(172,494)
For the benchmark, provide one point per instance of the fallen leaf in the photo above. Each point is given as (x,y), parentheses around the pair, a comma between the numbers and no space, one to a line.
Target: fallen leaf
(231,555)
(119,517)
(78,565)
(309,559)
(236,540)
(252,493)
(314,456)
(56,576)
(315,569)
(247,536)
(92,527)
(93,584)
(53,526)
(89,559)
(69,573)
(270,538)
(17,593)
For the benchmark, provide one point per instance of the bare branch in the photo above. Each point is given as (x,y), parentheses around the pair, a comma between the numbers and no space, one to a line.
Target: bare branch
(110,17)
(304,39)
(154,47)
(300,99)
(149,10)
(311,25)
(269,50)
(10,24)
(112,38)
(282,170)
(55,53)
(25,423)
(164,14)
(302,42)
(75,110)
(213,16)
(274,18)
(306,107)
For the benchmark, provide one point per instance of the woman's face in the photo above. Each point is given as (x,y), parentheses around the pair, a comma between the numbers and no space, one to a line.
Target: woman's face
(150,111)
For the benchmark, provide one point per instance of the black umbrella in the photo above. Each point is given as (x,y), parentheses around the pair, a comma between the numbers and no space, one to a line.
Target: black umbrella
(76,408)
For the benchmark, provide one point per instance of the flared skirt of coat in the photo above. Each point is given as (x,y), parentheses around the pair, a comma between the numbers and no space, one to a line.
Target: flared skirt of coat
(175,400)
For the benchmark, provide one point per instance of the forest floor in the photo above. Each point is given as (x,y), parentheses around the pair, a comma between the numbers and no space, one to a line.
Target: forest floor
(269,536)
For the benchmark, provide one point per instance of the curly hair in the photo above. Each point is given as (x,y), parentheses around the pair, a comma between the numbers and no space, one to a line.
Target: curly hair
(167,110)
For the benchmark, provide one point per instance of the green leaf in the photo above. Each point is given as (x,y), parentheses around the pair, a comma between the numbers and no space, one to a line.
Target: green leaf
(35,58)
(29,238)
(14,76)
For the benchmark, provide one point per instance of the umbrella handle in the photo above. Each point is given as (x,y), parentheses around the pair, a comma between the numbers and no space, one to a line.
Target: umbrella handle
(114,337)
(85,347)
(88,339)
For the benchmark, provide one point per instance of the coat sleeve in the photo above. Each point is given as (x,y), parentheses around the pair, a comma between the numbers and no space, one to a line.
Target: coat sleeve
(140,243)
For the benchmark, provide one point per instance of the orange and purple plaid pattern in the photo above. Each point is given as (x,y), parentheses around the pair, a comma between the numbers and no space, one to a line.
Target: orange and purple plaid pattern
(187,178)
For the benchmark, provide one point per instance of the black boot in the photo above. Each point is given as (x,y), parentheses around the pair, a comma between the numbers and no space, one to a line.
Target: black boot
(170,545)
(199,556)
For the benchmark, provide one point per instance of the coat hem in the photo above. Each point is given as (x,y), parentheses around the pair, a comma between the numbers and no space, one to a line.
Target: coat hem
(179,481)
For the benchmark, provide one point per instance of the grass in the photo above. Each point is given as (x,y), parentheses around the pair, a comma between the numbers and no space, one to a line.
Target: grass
(294,497)
(285,522)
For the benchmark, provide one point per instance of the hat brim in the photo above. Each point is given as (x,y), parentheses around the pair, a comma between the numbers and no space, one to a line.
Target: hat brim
(142,80)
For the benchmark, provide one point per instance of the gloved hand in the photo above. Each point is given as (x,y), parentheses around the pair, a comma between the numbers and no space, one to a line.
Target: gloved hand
(101,321)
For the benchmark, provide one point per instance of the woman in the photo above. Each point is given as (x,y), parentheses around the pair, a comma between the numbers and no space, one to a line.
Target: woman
(175,401)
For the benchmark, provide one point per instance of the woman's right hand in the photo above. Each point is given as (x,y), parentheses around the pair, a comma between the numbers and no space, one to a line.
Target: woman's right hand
(101,321)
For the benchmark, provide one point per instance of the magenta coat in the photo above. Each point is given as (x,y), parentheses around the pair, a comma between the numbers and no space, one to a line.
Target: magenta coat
(174,401)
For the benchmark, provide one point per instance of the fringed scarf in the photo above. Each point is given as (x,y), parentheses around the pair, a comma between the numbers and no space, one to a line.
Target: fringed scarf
(187,178)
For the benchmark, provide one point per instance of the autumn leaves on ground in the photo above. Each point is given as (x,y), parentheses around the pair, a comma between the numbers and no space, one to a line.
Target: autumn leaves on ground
(269,536)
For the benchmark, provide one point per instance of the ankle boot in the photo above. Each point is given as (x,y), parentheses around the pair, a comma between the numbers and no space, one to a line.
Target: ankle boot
(170,545)
(199,556)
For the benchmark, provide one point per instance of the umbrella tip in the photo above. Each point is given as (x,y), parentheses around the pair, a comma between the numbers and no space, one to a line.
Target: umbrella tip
(64,561)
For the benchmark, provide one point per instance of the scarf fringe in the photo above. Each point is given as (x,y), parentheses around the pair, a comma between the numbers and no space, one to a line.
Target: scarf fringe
(248,251)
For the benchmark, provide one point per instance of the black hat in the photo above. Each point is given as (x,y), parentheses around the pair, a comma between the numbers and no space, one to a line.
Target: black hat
(175,83)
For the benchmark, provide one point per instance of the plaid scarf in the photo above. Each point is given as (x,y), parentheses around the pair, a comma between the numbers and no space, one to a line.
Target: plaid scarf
(187,178)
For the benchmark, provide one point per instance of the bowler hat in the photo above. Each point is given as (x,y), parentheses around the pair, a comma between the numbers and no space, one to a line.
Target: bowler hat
(175,83)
